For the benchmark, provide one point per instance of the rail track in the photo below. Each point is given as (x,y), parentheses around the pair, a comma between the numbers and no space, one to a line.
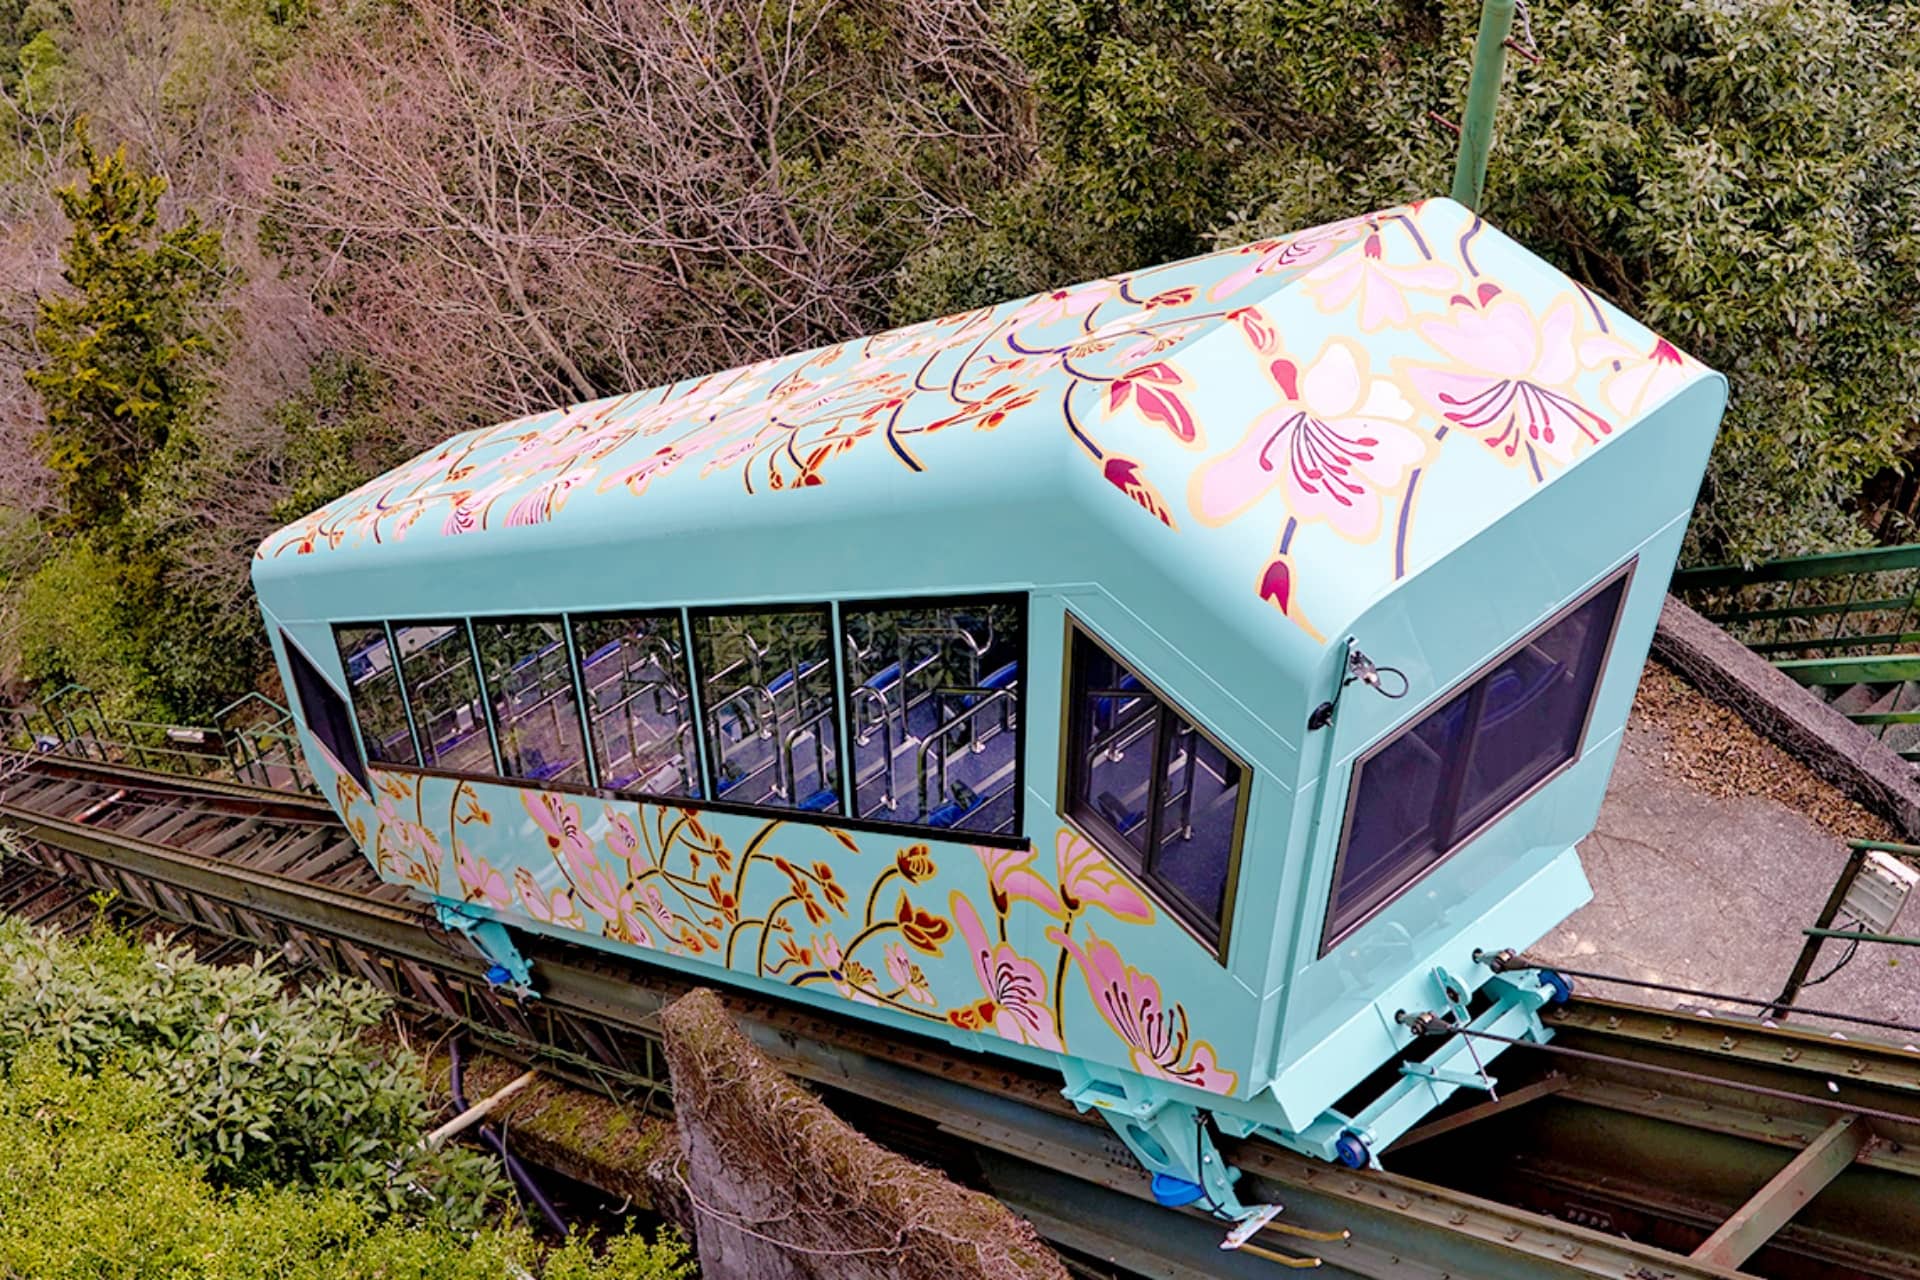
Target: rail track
(1643,1144)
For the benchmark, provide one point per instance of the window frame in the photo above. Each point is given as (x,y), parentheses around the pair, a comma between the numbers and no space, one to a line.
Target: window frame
(399,685)
(682,625)
(1216,936)
(1021,603)
(685,615)
(1452,781)
(356,767)
(420,745)
(709,762)
(473,624)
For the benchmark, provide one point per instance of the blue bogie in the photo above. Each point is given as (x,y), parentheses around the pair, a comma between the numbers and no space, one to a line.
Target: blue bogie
(1175,1193)
(1559,988)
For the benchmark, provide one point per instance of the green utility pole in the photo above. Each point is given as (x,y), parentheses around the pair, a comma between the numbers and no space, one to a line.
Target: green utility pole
(1483,94)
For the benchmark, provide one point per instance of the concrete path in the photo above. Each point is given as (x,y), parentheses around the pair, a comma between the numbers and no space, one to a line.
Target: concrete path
(1710,892)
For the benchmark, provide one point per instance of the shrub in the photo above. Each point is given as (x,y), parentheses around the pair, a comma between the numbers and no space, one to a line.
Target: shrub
(266,1088)
(96,1190)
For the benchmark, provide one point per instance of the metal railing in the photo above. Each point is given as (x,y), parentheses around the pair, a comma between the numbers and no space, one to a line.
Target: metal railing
(1835,604)
(934,749)
(1844,623)
(252,739)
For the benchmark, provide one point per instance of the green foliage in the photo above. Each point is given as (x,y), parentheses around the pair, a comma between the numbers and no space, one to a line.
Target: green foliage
(122,373)
(73,626)
(261,1087)
(95,1191)
(336,435)
(123,381)
(625,1257)
(29,53)
(102,614)
(1743,176)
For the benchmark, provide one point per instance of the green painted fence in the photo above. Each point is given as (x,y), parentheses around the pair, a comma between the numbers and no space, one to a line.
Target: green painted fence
(1844,623)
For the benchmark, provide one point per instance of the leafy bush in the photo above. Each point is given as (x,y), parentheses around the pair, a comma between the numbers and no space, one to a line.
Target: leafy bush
(95,1190)
(264,1087)
(73,626)
(1743,176)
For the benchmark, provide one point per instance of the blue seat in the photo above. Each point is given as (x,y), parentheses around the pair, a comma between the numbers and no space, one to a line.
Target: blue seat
(785,678)
(946,815)
(1104,708)
(1510,693)
(604,651)
(965,800)
(1004,678)
(820,801)
(887,676)
(1123,819)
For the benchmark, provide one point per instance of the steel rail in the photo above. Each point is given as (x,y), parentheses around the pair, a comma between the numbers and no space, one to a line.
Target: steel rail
(265,799)
(1031,1146)
(1754,1002)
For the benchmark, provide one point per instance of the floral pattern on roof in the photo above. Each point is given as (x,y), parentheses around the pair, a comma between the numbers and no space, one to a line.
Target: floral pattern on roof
(1307,382)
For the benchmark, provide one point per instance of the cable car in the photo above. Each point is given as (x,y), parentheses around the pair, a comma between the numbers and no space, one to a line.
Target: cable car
(1197,679)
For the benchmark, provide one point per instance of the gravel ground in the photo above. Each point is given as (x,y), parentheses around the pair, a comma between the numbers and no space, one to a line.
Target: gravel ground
(1720,755)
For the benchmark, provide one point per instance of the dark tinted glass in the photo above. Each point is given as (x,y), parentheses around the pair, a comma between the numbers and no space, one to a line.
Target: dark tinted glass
(767,693)
(635,670)
(324,711)
(1159,795)
(1120,744)
(1394,832)
(530,688)
(1199,804)
(1528,722)
(1437,784)
(934,700)
(436,661)
(376,694)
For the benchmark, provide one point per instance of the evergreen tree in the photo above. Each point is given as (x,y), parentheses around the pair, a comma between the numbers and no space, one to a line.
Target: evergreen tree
(123,355)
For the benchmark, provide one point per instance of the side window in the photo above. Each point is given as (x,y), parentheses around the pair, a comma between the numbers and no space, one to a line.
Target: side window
(767,689)
(368,661)
(436,662)
(1442,779)
(529,683)
(324,711)
(933,704)
(638,704)
(1151,787)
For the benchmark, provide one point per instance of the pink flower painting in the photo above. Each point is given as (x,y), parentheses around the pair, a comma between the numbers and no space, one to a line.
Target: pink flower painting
(1636,377)
(1157,1036)
(1507,378)
(1376,285)
(1087,879)
(1013,984)
(554,907)
(1336,443)
(480,881)
(850,978)
(1010,877)
(1288,254)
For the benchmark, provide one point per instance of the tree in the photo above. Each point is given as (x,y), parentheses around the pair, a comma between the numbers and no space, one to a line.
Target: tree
(516,205)
(1742,174)
(123,368)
